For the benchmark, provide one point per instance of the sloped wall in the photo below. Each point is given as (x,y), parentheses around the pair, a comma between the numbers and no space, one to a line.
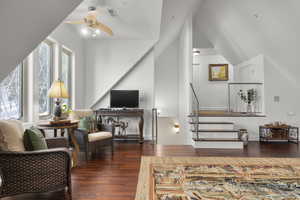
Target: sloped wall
(24,24)
(107,61)
(140,78)
(166,81)
(185,76)
(240,30)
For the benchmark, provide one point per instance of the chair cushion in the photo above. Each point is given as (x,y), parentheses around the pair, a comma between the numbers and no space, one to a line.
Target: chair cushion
(11,135)
(34,140)
(99,136)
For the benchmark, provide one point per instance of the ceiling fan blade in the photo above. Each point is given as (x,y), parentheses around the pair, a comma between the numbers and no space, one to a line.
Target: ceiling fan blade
(76,22)
(103,28)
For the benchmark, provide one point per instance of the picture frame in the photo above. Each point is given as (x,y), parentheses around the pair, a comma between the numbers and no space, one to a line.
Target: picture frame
(218,72)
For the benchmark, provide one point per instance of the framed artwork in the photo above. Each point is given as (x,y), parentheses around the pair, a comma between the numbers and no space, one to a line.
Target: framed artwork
(218,72)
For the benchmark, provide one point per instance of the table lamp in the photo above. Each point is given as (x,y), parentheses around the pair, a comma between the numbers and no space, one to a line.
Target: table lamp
(58,91)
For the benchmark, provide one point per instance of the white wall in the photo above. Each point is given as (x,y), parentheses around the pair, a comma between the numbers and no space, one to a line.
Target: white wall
(185,77)
(213,95)
(24,24)
(166,81)
(167,133)
(107,61)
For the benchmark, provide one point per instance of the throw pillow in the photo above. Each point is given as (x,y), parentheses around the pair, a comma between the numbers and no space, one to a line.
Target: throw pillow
(11,135)
(34,140)
(84,124)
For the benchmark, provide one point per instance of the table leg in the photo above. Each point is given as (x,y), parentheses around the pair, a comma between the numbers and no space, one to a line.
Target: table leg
(76,146)
(62,132)
(55,132)
(141,129)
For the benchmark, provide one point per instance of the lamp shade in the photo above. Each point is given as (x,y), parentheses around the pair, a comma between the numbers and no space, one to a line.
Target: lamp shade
(58,90)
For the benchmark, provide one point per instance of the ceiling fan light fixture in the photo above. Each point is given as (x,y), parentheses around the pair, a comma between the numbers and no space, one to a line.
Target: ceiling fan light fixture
(93,26)
(97,31)
(84,31)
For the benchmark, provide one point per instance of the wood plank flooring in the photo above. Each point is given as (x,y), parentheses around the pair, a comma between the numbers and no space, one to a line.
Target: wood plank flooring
(115,177)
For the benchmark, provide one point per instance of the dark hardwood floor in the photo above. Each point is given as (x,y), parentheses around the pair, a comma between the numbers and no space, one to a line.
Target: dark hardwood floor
(115,177)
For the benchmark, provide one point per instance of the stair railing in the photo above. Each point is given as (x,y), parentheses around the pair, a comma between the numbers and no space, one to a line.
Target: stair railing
(154,125)
(197,111)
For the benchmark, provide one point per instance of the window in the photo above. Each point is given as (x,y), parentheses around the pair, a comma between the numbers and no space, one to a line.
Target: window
(11,97)
(45,76)
(66,73)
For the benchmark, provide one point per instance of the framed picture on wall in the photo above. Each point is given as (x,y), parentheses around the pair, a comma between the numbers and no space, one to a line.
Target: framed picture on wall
(218,72)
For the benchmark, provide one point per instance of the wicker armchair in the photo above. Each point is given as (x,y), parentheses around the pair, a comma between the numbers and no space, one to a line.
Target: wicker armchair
(86,144)
(36,171)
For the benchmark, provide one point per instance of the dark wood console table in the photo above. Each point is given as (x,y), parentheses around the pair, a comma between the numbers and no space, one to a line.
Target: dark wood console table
(139,113)
(288,133)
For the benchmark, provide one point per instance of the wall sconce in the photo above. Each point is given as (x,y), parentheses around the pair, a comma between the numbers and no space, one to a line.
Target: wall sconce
(176,128)
(158,112)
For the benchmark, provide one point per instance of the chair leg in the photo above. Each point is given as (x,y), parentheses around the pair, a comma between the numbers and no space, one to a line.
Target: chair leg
(70,193)
(96,150)
(112,147)
(62,132)
(87,151)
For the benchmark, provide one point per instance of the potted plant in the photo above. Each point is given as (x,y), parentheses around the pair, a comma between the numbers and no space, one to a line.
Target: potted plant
(65,111)
(248,97)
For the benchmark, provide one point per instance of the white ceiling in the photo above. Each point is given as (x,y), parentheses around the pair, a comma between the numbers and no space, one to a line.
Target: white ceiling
(174,14)
(135,19)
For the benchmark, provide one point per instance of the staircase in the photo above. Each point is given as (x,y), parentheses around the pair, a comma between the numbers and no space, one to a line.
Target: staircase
(212,135)
(216,135)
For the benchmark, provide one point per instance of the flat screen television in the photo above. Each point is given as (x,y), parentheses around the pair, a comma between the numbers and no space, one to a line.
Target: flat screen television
(124,98)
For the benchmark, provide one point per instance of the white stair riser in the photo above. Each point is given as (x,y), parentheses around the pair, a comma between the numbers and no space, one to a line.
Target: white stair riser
(218,145)
(215,126)
(216,135)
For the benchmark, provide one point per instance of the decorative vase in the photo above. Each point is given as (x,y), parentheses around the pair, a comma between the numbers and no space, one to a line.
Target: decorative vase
(249,108)
(243,135)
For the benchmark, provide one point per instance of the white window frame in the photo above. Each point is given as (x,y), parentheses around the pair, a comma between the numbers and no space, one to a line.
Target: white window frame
(70,53)
(52,69)
(21,100)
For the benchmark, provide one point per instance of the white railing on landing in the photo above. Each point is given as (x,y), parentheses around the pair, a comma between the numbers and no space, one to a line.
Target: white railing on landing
(197,110)
(118,80)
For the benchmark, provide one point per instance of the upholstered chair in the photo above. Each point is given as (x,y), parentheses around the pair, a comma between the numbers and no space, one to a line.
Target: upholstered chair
(32,171)
(92,140)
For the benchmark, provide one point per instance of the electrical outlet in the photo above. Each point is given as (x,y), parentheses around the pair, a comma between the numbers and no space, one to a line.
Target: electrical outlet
(291,113)
(276,98)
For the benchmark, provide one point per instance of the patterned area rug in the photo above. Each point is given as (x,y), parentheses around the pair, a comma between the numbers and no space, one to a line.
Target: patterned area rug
(218,178)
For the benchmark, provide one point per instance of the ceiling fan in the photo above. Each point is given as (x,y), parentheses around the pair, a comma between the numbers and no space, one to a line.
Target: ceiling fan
(91,21)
